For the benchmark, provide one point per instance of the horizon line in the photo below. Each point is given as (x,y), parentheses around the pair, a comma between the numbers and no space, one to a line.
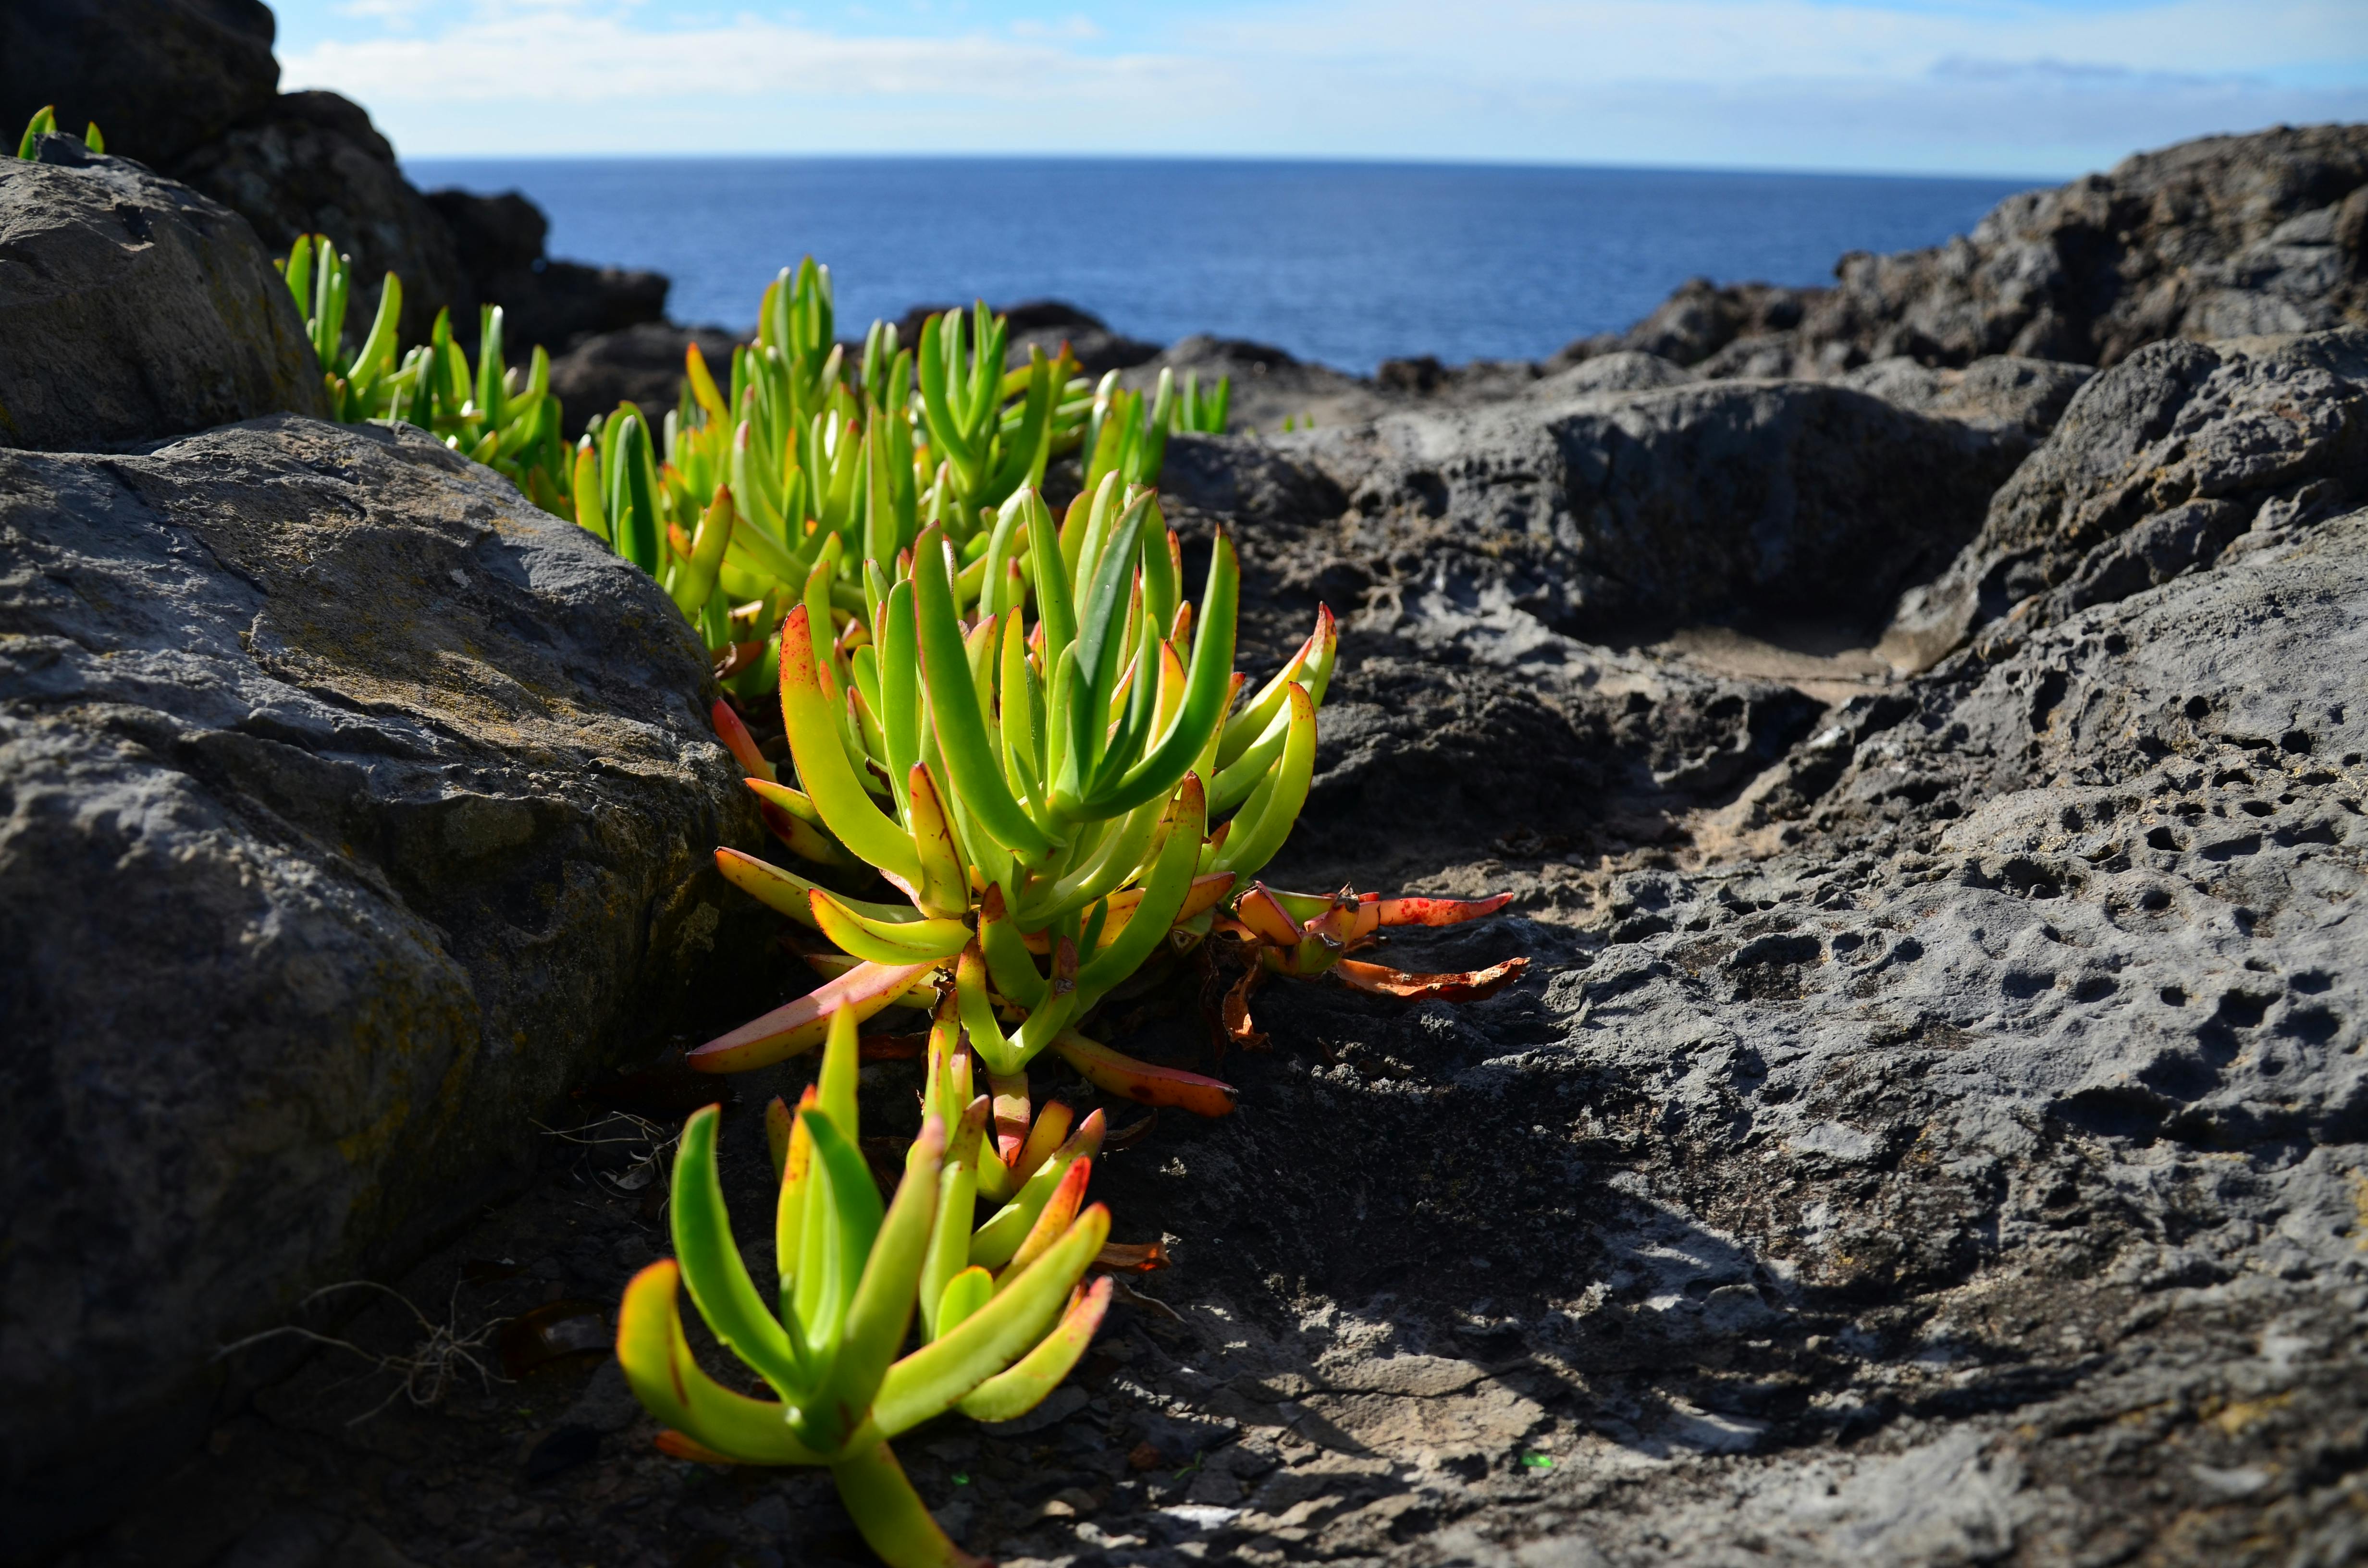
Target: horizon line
(844,155)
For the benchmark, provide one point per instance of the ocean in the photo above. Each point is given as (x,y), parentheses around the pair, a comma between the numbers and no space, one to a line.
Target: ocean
(1343,263)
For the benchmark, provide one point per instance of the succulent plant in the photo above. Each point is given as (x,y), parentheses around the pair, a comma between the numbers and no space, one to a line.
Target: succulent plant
(1003,1316)
(487,414)
(1041,781)
(939,434)
(1201,412)
(999,716)
(45,122)
(731,500)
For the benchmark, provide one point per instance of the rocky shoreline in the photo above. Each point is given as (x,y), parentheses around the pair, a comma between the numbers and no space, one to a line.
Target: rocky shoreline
(1924,722)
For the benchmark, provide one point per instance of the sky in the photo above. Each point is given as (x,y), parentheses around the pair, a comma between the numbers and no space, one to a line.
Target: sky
(2010,88)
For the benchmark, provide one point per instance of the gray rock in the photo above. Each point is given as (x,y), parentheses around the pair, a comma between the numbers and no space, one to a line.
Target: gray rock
(606,1405)
(1563,746)
(1616,510)
(2001,1126)
(161,77)
(2220,237)
(133,308)
(1763,357)
(2157,467)
(1700,319)
(1626,370)
(1953,1153)
(355,810)
(1243,474)
(1999,392)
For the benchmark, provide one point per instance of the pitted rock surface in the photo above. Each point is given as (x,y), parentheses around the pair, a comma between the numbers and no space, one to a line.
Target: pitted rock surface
(1977,1176)
(351,811)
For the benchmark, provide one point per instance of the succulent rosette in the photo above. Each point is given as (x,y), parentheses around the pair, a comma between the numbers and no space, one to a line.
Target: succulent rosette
(1002,1312)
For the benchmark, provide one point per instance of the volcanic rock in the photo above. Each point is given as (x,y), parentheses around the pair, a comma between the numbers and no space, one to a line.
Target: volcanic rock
(1616,510)
(188,86)
(2001,393)
(2221,237)
(1627,370)
(131,308)
(1699,320)
(160,77)
(2157,466)
(1975,1178)
(1943,1147)
(313,163)
(354,812)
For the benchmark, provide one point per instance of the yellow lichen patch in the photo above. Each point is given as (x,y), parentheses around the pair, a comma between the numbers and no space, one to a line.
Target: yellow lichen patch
(2360,1211)
(2234,1419)
(370,1141)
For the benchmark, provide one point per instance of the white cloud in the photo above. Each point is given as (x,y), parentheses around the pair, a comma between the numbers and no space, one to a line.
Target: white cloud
(598,59)
(1978,85)
(1079,27)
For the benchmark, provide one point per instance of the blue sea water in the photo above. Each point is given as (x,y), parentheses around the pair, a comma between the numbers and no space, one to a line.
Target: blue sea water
(1344,262)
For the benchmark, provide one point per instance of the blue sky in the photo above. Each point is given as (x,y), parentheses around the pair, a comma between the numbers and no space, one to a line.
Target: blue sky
(1973,86)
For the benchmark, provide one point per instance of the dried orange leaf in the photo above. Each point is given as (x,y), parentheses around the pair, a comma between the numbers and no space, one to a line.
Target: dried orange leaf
(1474,986)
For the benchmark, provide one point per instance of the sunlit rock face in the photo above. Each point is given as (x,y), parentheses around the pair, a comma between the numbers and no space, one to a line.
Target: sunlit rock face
(133,308)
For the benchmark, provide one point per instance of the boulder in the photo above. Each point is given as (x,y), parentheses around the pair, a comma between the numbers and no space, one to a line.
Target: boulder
(1699,319)
(1446,729)
(1612,512)
(312,162)
(191,88)
(161,77)
(642,363)
(354,812)
(2220,237)
(2157,466)
(132,309)
(556,304)
(1973,1179)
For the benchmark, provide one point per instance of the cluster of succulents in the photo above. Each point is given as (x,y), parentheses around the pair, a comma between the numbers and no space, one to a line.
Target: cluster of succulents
(1024,777)
(1038,755)
(489,413)
(811,454)
(1018,775)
